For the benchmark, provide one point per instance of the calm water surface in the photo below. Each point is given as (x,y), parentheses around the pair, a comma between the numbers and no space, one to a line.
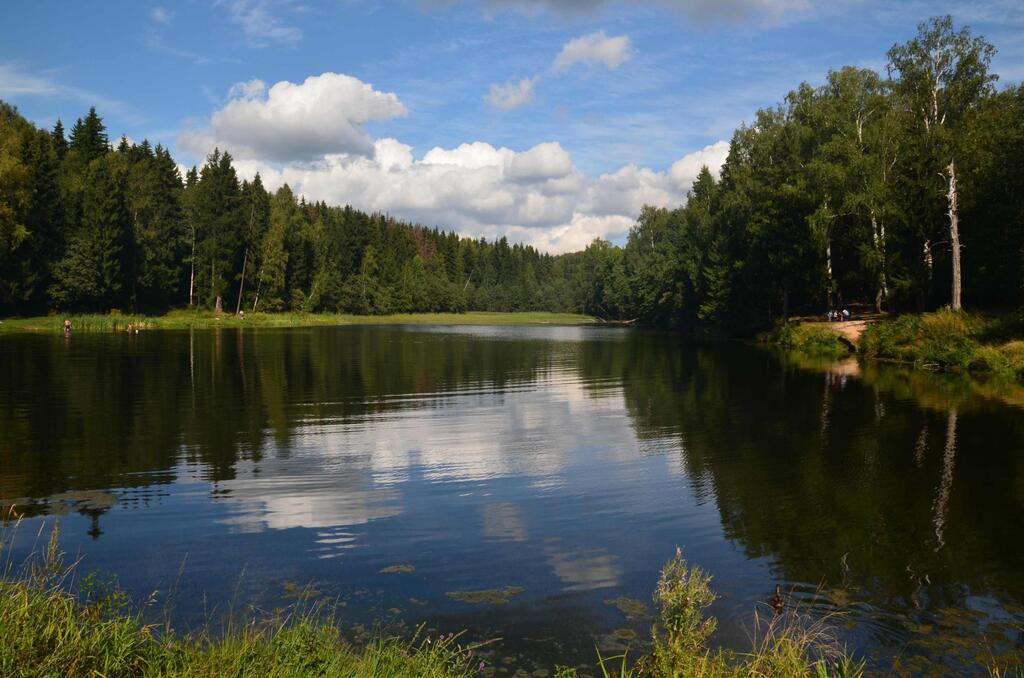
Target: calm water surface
(231,468)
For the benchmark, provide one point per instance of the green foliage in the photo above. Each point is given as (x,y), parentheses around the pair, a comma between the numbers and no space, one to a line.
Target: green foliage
(948,340)
(52,631)
(811,340)
(787,647)
(683,596)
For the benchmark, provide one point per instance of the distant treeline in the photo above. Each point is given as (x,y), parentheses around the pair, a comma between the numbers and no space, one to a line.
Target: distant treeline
(84,226)
(904,190)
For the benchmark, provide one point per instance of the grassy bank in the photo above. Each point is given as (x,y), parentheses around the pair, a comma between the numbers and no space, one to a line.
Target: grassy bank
(941,341)
(177,320)
(810,340)
(948,340)
(49,631)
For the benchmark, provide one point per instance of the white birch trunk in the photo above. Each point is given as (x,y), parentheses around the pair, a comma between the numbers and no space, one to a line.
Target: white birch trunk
(954,238)
(878,234)
(241,284)
(192,269)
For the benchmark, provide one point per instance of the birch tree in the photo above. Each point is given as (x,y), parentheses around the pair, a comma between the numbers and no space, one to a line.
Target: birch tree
(940,75)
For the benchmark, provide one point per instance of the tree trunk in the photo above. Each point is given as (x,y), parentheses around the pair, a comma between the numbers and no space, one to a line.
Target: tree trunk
(259,284)
(828,270)
(954,237)
(241,284)
(785,304)
(192,269)
(878,233)
(218,307)
(929,265)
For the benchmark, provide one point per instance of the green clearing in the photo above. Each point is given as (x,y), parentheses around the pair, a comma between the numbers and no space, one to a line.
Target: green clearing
(183,320)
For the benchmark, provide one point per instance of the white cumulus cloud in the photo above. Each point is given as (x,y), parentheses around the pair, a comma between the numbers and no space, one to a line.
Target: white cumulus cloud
(309,136)
(537,196)
(594,48)
(685,170)
(322,115)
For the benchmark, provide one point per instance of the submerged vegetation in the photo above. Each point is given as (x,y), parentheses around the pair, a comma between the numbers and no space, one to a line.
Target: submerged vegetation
(498,596)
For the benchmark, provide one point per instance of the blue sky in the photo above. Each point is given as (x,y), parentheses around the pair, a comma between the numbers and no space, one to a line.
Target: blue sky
(551,121)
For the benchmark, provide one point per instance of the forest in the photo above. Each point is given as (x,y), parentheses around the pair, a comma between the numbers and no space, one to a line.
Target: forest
(902,190)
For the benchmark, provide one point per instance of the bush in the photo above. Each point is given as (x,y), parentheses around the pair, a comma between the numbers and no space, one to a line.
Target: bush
(938,340)
(812,340)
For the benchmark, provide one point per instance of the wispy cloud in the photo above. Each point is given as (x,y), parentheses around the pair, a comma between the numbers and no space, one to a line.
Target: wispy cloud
(512,94)
(157,43)
(260,23)
(16,82)
(594,48)
(161,15)
(770,12)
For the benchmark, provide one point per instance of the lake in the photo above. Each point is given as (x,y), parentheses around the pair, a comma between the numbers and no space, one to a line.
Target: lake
(244,469)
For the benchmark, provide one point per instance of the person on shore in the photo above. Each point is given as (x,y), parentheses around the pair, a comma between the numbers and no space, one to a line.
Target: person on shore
(846,314)
(67,326)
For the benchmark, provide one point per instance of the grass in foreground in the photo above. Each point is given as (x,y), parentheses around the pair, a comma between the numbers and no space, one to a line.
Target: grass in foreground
(950,340)
(48,631)
(117,322)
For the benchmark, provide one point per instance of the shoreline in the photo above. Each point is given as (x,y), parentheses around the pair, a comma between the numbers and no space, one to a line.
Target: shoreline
(940,341)
(183,320)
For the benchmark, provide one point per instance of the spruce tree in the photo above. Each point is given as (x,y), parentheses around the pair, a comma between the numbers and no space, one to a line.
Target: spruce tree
(60,144)
(93,274)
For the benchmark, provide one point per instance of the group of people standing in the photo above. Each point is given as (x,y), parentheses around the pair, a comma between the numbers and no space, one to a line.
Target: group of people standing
(835,316)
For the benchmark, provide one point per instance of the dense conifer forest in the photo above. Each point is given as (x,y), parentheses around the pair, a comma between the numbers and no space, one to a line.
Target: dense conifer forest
(904,190)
